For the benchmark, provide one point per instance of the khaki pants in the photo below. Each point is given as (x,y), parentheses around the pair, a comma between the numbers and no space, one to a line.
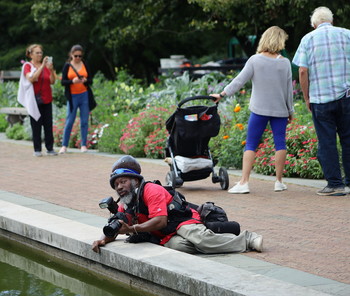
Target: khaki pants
(195,238)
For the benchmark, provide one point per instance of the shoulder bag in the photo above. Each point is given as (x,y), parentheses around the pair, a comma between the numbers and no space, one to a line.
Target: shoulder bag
(38,97)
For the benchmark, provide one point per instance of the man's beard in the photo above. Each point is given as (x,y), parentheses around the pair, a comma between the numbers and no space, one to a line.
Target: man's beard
(127,199)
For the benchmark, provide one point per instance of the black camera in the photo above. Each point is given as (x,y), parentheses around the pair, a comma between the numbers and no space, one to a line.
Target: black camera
(113,225)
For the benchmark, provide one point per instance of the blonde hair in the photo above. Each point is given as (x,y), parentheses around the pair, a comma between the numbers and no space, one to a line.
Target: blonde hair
(31,47)
(320,15)
(272,40)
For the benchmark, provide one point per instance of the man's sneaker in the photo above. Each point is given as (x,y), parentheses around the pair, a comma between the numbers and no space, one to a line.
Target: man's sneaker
(37,154)
(347,189)
(256,242)
(51,153)
(332,191)
(238,188)
(279,186)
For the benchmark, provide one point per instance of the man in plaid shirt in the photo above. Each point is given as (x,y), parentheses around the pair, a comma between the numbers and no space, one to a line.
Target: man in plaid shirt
(323,57)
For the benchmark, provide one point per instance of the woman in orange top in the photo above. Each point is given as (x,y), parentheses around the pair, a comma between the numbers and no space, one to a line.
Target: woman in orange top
(76,78)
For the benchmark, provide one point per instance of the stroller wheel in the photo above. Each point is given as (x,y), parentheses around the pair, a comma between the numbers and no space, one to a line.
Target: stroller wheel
(224,180)
(172,180)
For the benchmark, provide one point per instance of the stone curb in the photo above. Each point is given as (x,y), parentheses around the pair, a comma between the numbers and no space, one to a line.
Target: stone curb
(169,269)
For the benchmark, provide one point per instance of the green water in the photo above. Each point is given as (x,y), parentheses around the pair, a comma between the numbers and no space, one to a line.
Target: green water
(26,272)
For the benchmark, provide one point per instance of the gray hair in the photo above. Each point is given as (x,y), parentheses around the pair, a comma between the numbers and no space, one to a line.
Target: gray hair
(321,15)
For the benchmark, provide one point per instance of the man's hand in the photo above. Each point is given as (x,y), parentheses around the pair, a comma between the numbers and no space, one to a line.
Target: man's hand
(96,245)
(125,228)
(101,242)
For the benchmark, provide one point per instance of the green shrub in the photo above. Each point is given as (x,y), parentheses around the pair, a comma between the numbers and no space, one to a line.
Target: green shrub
(58,94)
(301,158)
(75,136)
(134,138)
(8,94)
(17,132)
(110,134)
(155,143)
(121,95)
(3,123)
(228,146)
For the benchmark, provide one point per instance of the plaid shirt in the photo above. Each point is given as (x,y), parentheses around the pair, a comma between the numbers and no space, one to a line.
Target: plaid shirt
(326,53)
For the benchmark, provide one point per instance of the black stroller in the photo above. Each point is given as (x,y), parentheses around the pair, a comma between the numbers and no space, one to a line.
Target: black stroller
(187,151)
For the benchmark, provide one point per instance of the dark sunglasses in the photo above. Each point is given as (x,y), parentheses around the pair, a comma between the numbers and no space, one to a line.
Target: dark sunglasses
(78,56)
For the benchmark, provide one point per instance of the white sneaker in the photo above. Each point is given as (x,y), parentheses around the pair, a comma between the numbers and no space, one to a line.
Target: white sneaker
(279,186)
(257,243)
(238,188)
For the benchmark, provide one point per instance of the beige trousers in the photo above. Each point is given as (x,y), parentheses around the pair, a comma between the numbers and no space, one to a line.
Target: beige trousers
(195,238)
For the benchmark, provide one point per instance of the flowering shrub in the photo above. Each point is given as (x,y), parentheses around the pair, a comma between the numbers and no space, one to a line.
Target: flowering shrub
(228,146)
(301,158)
(155,143)
(135,134)
(110,133)
(117,129)
(75,138)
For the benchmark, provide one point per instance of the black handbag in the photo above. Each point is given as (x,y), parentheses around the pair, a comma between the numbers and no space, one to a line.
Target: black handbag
(38,98)
(92,102)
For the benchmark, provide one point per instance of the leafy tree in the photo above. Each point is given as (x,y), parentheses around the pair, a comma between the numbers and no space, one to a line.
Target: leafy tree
(19,29)
(15,31)
(253,17)
(137,33)
(134,33)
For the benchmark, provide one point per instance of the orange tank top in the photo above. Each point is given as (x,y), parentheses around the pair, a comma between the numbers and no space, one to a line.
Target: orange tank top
(77,88)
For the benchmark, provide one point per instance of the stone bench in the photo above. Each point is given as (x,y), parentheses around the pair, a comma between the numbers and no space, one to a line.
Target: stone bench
(14,114)
(9,75)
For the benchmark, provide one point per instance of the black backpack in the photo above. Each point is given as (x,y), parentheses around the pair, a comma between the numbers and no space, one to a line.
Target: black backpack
(179,209)
(209,212)
(215,218)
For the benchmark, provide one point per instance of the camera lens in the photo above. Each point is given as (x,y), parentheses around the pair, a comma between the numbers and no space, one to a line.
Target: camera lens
(111,229)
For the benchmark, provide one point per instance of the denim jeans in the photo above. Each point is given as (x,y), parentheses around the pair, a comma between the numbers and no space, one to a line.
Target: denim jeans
(80,101)
(331,119)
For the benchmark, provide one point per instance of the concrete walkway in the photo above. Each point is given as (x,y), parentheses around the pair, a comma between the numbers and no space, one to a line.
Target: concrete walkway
(307,238)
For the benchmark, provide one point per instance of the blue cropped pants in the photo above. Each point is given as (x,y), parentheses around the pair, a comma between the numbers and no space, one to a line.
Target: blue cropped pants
(257,125)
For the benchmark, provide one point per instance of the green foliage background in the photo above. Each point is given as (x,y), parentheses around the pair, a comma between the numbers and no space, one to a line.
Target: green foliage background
(136,34)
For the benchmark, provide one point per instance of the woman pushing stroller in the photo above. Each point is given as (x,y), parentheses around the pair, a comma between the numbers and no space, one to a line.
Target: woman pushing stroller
(271,102)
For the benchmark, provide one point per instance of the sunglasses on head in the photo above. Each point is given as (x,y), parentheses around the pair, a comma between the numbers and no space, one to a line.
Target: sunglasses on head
(77,56)
(123,171)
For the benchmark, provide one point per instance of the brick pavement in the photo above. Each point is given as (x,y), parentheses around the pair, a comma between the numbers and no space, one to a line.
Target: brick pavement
(301,230)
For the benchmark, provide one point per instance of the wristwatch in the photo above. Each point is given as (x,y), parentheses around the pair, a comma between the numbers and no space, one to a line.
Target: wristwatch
(221,95)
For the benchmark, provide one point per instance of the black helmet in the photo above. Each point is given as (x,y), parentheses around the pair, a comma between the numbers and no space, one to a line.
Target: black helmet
(126,166)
